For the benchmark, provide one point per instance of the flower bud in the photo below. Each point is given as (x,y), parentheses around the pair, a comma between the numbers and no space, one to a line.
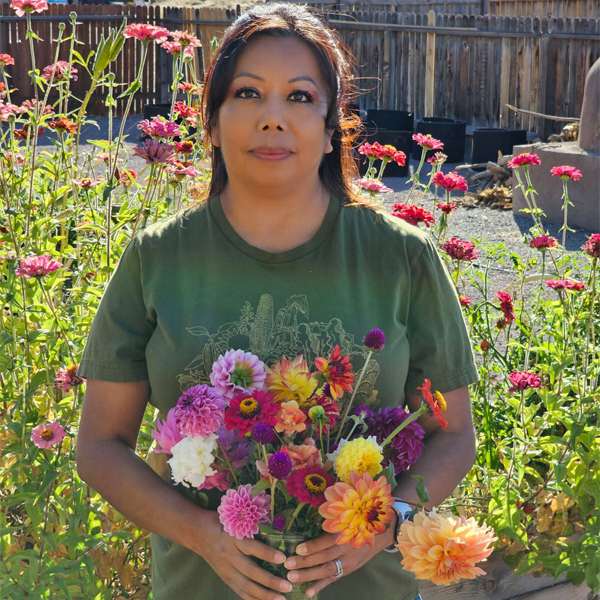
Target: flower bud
(485,345)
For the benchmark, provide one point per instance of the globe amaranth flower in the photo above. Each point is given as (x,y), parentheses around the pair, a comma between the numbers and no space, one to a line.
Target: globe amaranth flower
(67,378)
(506,306)
(291,380)
(465,301)
(59,71)
(28,6)
(524,160)
(154,151)
(406,447)
(159,128)
(167,433)
(48,434)
(523,380)
(146,33)
(358,510)
(237,372)
(564,284)
(279,523)
(451,181)
(240,512)
(37,266)
(280,465)
(447,207)
(375,340)
(372,185)
(543,242)
(361,455)
(337,372)
(435,403)
(290,419)
(428,142)
(460,249)
(263,434)
(592,246)
(565,172)
(308,485)
(6,60)
(247,410)
(413,214)
(199,411)
(192,459)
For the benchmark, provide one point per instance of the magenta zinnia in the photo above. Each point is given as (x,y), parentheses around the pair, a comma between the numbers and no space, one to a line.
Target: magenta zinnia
(159,128)
(146,33)
(237,371)
(67,378)
(566,172)
(199,411)
(543,242)
(592,246)
(524,160)
(523,380)
(427,142)
(240,513)
(451,181)
(308,485)
(460,249)
(59,71)
(373,185)
(564,284)
(506,306)
(245,411)
(154,151)
(48,434)
(28,6)
(37,266)
(413,214)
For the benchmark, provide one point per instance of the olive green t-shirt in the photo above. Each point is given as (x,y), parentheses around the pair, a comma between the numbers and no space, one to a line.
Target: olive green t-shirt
(189,288)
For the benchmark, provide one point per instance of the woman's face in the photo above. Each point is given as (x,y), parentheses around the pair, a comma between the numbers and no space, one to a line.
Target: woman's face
(276,100)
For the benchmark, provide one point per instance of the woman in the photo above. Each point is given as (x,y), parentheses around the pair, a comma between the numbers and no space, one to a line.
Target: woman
(280,260)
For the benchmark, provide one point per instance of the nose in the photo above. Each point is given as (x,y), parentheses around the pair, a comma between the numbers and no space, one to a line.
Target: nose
(273,115)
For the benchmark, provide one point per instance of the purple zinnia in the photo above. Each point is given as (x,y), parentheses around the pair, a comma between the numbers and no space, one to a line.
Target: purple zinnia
(406,447)
(375,340)
(200,411)
(237,371)
(240,512)
(263,434)
(279,523)
(154,151)
(280,465)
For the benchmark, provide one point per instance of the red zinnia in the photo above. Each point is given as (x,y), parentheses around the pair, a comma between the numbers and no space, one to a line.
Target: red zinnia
(245,411)
(566,172)
(460,249)
(435,403)
(524,160)
(523,380)
(308,485)
(412,214)
(337,372)
(447,207)
(564,284)
(592,246)
(451,181)
(427,142)
(506,305)
(543,242)
(465,301)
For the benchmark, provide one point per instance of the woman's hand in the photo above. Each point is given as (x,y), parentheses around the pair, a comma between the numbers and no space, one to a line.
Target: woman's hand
(230,559)
(315,559)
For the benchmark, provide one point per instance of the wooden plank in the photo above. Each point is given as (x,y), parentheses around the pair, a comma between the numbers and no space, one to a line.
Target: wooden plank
(430,69)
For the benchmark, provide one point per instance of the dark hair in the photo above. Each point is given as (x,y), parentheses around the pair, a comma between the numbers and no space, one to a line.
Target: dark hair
(338,168)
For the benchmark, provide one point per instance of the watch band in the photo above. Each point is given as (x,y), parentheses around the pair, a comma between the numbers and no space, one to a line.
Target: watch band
(403,510)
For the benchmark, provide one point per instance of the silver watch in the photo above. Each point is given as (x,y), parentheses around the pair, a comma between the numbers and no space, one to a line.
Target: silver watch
(403,511)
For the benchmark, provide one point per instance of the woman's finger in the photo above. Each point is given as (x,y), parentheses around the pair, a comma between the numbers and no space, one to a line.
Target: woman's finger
(317,586)
(323,571)
(250,569)
(312,560)
(252,547)
(323,541)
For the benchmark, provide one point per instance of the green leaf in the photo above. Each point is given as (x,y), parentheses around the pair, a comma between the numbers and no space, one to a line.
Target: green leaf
(132,89)
(257,488)
(389,474)
(421,489)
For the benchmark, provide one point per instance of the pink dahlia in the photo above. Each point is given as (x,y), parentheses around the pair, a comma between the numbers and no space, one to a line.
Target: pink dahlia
(592,246)
(37,266)
(59,71)
(48,434)
(240,512)
(543,242)
(28,6)
(523,380)
(506,306)
(413,214)
(564,284)
(237,371)
(67,378)
(460,249)
(159,128)
(524,160)
(373,185)
(167,433)
(199,411)
(447,207)
(154,151)
(245,411)
(566,172)
(427,142)
(451,181)
(146,33)
(6,60)
(308,485)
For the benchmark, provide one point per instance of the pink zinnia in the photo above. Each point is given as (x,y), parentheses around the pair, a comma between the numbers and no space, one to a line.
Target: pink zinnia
(566,172)
(308,485)
(523,380)
(439,158)
(506,305)
(48,434)
(37,266)
(154,151)
(237,371)
(6,60)
(86,183)
(180,170)
(6,110)
(592,246)
(373,185)
(146,33)
(159,128)
(199,411)
(29,105)
(413,214)
(465,301)
(126,177)
(543,242)
(245,411)
(451,181)
(564,284)
(427,142)
(167,433)
(185,38)
(460,249)
(59,71)
(28,6)
(447,207)
(524,160)
(240,512)
(67,378)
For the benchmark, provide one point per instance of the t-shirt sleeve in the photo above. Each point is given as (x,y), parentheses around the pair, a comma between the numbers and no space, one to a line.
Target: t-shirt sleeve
(440,348)
(122,326)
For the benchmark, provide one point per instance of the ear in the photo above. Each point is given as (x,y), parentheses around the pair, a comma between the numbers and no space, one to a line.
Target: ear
(214,135)
(328,146)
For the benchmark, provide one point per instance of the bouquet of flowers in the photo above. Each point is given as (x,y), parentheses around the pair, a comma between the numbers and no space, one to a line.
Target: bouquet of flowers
(292,453)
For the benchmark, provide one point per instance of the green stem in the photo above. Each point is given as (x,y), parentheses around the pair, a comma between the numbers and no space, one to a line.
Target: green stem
(296,513)
(228,462)
(413,416)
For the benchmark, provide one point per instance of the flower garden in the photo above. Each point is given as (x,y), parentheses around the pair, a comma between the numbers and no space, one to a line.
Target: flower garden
(534,491)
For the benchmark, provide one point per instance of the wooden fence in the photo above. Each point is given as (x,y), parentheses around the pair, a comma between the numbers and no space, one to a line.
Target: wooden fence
(459,66)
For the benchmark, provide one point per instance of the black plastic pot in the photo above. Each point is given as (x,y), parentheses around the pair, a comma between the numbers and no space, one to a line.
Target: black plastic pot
(394,120)
(448,131)
(157,110)
(401,140)
(487,142)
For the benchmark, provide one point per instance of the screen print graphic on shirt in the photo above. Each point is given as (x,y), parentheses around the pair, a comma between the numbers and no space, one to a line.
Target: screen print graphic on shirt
(271,335)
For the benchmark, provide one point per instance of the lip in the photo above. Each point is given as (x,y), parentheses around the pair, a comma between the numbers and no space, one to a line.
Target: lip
(270,154)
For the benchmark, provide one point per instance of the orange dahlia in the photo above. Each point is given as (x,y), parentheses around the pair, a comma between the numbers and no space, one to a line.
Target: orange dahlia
(358,511)
(291,380)
(337,372)
(444,548)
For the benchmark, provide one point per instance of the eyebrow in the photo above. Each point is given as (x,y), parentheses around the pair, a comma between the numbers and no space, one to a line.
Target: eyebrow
(302,77)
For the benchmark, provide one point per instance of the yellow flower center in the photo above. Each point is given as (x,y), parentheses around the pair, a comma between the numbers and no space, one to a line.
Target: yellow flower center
(306,403)
(439,400)
(248,407)
(46,433)
(315,483)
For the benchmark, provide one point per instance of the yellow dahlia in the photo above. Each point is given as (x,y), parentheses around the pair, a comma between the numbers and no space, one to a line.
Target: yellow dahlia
(360,455)
(444,548)
(358,511)
(291,380)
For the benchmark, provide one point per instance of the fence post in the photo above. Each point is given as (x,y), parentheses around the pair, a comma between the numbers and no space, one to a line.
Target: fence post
(430,67)
(3,32)
(484,7)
